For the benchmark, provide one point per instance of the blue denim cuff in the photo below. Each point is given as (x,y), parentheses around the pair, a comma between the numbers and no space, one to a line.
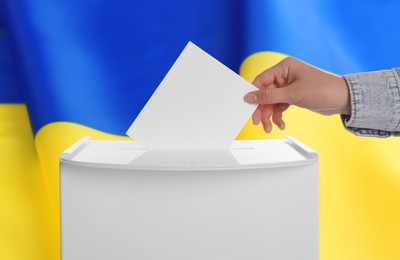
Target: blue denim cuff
(375,103)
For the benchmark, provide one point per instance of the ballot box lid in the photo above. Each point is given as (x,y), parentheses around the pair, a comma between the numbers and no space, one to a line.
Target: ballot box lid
(242,154)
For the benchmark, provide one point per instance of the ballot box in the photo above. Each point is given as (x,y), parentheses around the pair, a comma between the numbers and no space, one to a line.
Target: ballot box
(256,200)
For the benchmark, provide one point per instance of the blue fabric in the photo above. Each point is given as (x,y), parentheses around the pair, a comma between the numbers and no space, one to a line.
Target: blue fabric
(96,63)
(336,35)
(10,91)
(91,61)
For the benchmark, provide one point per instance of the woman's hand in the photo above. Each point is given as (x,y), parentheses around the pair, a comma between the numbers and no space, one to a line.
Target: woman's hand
(293,82)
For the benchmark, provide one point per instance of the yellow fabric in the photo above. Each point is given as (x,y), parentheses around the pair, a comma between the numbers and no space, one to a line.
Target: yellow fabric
(25,232)
(359,179)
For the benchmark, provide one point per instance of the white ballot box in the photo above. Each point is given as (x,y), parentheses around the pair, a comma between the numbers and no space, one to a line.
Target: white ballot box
(257,200)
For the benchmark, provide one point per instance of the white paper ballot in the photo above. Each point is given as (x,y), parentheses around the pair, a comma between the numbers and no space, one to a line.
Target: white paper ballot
(198,105)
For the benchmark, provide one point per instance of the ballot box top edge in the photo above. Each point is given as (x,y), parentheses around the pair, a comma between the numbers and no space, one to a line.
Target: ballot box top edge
(242,154)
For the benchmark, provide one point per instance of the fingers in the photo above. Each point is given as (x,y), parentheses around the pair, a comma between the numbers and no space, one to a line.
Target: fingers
(265,79)
(272,85)
(265,118)
(257,115)
(276,93)
(264,113)
(271,75)
(277,115)
(269,96)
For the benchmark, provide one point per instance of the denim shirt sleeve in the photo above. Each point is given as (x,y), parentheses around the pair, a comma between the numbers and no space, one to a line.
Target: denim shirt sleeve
(375,103)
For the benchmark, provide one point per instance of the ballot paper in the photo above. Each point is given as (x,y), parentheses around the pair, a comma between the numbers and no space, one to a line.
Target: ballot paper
(198,105)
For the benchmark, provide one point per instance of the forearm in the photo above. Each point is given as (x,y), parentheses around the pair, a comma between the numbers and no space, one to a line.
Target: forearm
(375,103)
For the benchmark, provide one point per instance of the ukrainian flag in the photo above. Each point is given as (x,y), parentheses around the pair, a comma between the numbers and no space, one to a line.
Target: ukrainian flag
(72,68)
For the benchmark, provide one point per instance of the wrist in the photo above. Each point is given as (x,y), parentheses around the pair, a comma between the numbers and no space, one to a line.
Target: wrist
(345,109)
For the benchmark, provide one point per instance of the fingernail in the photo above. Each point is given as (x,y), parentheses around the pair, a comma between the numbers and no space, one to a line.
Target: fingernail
(250,98)
(255,122)
(268,129)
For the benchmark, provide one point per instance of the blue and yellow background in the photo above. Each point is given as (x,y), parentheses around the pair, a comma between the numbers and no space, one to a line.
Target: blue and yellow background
(71,68)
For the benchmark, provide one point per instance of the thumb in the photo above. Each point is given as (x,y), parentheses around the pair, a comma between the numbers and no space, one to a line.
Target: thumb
(268,96)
